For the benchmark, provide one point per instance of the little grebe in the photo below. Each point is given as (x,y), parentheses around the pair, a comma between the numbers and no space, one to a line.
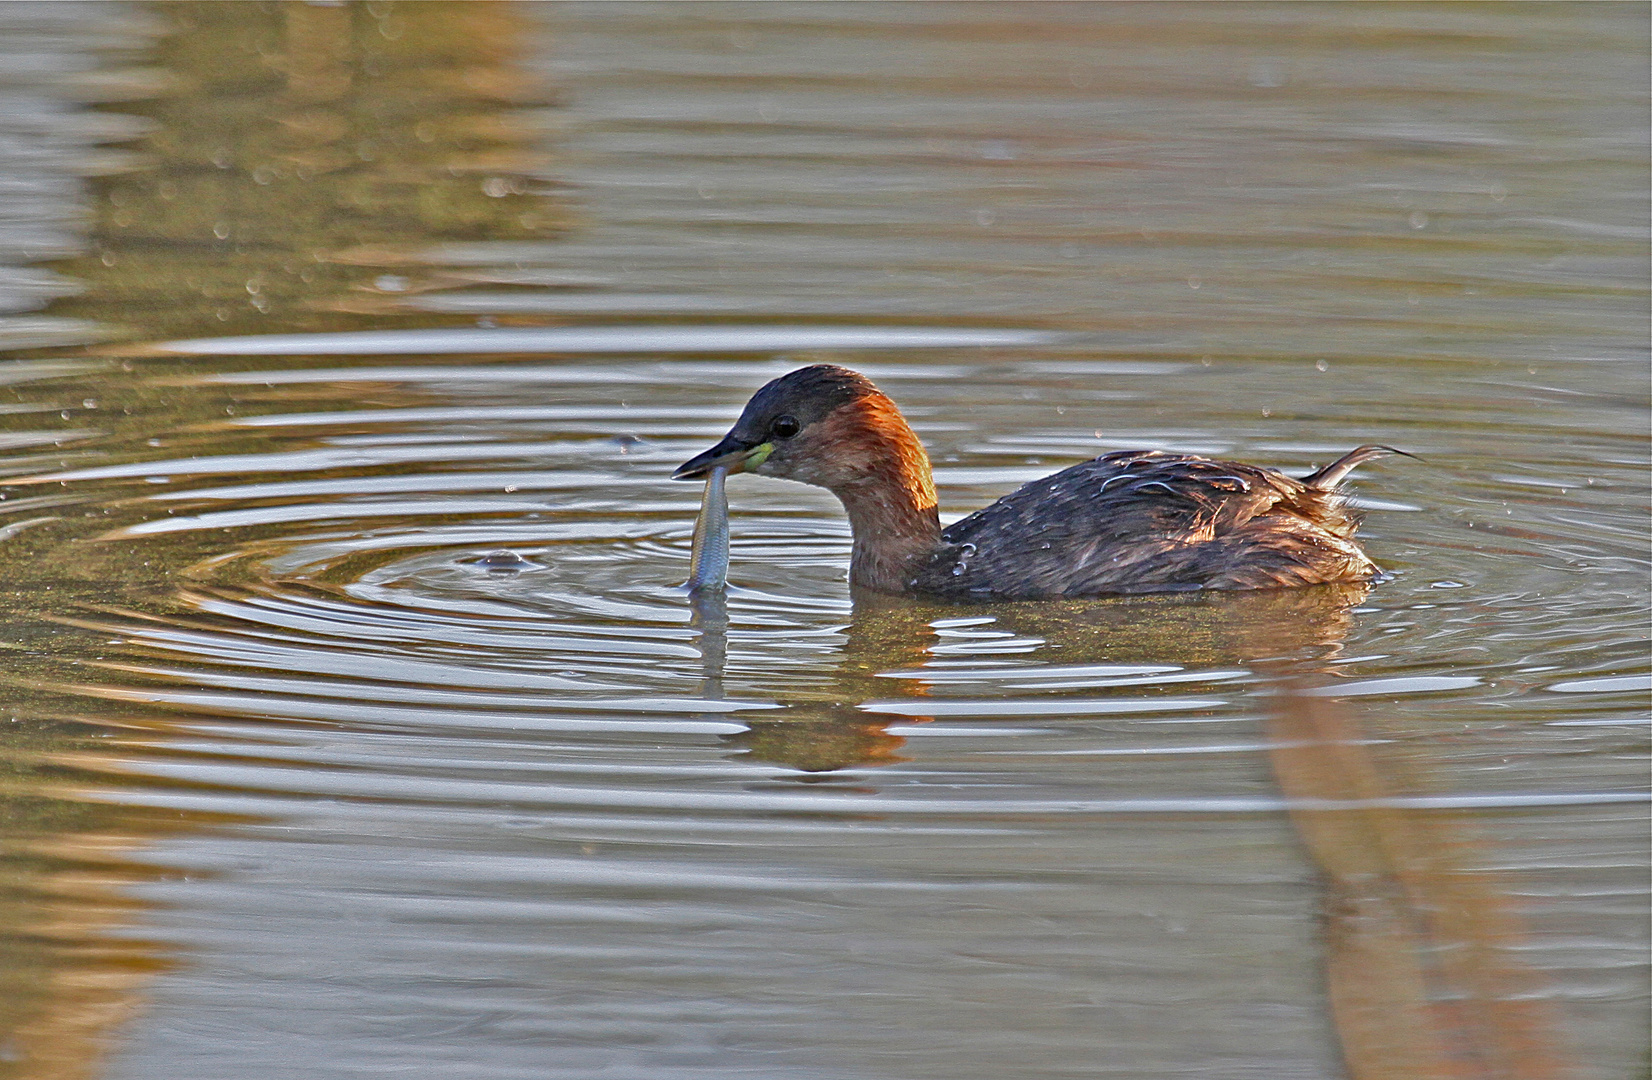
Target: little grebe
(1134,522)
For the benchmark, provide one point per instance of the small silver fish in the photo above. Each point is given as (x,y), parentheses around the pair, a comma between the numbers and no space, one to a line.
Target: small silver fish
(708,566)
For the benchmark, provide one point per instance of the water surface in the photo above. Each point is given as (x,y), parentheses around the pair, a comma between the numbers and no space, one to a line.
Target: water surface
(357,725)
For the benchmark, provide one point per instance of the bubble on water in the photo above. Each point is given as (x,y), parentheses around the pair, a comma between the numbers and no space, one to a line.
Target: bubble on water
(504,562)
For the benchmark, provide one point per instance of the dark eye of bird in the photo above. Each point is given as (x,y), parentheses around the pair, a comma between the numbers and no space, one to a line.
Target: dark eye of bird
(784,427)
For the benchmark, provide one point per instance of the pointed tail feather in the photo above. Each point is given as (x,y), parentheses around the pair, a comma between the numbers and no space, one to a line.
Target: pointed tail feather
(1330,476)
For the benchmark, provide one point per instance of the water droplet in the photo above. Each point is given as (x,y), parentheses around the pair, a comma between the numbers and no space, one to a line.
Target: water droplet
(1447,584)
(968,549)
(985,217)
(390,283)
(1418,219)
(1321,365)
(958,570)
(1268,74)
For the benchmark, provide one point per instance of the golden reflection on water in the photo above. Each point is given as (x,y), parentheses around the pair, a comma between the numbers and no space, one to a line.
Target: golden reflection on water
(73,973)
(300,157)
(306,156)
(1423,964)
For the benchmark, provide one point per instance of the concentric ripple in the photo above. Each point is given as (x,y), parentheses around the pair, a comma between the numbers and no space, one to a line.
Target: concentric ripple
(355,721)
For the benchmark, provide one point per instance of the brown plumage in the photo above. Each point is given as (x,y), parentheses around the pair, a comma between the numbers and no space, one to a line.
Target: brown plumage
(1134,522)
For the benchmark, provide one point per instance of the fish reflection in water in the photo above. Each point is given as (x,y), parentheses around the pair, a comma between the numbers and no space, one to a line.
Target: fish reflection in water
(1421,945)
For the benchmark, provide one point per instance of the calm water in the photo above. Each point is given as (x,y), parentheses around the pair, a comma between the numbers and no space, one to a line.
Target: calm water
(354,724)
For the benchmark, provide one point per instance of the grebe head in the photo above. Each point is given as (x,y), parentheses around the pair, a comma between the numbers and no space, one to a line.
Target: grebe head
(816,425)
(830,427)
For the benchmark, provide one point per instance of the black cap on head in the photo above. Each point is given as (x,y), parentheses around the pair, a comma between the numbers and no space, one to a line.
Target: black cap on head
(802,396)
(808,393)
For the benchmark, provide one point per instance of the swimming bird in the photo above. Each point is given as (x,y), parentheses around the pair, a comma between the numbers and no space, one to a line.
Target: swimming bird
(1140,521)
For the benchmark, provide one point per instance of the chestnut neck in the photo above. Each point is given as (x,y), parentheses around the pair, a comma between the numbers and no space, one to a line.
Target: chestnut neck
(887,488)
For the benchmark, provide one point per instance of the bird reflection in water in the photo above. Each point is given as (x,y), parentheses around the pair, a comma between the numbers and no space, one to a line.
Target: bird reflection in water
(819,738)
(886,634)
(1420,942)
